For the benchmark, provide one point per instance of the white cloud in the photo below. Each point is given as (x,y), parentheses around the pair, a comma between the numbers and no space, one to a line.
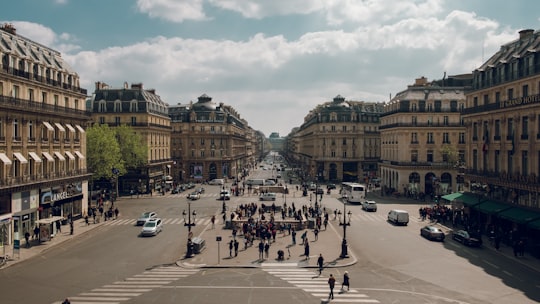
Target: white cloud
(173,10)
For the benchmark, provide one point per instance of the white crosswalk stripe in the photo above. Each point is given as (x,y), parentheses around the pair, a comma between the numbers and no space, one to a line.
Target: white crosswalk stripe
(135,286)
(166,221)
(376,217)
(317,285)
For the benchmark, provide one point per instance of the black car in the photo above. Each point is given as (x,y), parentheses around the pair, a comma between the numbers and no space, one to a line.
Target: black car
(467,238)
(331,186)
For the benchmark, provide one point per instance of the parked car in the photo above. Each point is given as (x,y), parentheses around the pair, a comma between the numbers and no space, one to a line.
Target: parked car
(432,233)
(217,181)
(331,186)
(200,190)
(269,182)
(268,196)
(224,195)
(195,195)
(369,206)
(190,186)
(312,186)
(145,217)
(152,227)
(467,238)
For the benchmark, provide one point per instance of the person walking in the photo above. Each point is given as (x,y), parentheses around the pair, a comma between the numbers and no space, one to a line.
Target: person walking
(320,262)
(316,233)
(27,238)
(345,280)
(261,250)
(306,250)
(331,284)
(236,244)
(66,301)
(267,249)
(213,221)
(293,235)
(231,246)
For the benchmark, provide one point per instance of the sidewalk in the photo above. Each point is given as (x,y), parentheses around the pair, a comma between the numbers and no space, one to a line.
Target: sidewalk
(216,254)
(36,248)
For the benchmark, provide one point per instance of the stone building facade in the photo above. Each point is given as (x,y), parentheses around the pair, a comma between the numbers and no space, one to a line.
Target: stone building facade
(423,138)
(145,112)
(211,140)
(338,141)
(43,177)
(502,116)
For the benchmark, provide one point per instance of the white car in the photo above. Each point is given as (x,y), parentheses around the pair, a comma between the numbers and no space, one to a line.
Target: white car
(268,197)
(195,195)
(145,217)
(369,206)
(224,195)
(152,227)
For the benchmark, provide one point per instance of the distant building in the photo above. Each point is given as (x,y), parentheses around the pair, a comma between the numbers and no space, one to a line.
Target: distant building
(276,143)
(145,112)
(211,140)
(338,141)
(43,176)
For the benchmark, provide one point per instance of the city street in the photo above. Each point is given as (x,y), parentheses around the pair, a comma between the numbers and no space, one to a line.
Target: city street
(112,264)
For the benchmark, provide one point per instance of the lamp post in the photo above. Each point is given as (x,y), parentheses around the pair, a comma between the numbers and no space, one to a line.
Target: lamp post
(189,224)
(345,223)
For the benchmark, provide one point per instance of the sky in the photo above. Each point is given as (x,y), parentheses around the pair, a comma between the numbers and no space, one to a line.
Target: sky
(272,60)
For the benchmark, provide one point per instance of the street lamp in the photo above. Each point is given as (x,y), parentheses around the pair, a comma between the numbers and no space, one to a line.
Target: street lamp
(189,223)
(345,223)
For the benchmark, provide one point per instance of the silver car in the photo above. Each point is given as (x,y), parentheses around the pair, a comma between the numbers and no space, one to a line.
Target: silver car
(369,206)
(145,217)
(152,227)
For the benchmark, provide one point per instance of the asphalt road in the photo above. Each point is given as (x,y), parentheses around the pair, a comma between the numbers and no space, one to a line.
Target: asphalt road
(395,264)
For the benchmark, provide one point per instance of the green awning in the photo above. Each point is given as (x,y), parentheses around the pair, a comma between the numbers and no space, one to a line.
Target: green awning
(469,199)
(453,196)
(519,215)
(491,207)
(534,224)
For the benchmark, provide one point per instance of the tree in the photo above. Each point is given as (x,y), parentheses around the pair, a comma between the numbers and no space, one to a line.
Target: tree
(103,153)
(450,154)
(132,148)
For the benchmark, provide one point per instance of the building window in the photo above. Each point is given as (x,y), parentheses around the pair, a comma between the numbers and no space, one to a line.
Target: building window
(486,99)
(510,160)
(133,106)
(475,101)
(524,163)
(118,106)
(430,138)
(497,97)
(413,107)
(525,127)
(510,129)
(202,141)
(31,94)
(333,128)
(344,128)
(102,107)
(55,100)
(446,138)
(133,120)
(497,135)
(414,156)
(344,154)
(497,161)
(414,138)
(525,90)
(429,156)
(510,94)
(344,141)
(445,120)
(461,137)
(31,131)
(430,107)
(117,120)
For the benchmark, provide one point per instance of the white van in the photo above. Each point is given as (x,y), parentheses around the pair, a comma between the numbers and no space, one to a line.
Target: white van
(268,196)
(398,217)
(255,182)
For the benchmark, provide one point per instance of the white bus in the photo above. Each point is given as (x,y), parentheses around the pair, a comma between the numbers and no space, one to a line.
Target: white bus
(353,192)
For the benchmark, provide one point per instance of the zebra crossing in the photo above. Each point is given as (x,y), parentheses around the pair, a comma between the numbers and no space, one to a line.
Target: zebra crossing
(314,284)
(185,194)
(166,221)
(377,217)
(121,291)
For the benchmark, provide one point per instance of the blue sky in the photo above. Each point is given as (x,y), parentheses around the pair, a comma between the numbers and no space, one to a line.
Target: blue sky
(273,61)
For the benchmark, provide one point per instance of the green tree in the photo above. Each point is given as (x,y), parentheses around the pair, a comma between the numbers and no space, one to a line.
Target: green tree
(132,147)
(103,152)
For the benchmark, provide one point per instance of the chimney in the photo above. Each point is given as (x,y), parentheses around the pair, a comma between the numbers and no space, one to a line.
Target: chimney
(137,85)
(523,34)
(8,27)
(422,81)
(101,85)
